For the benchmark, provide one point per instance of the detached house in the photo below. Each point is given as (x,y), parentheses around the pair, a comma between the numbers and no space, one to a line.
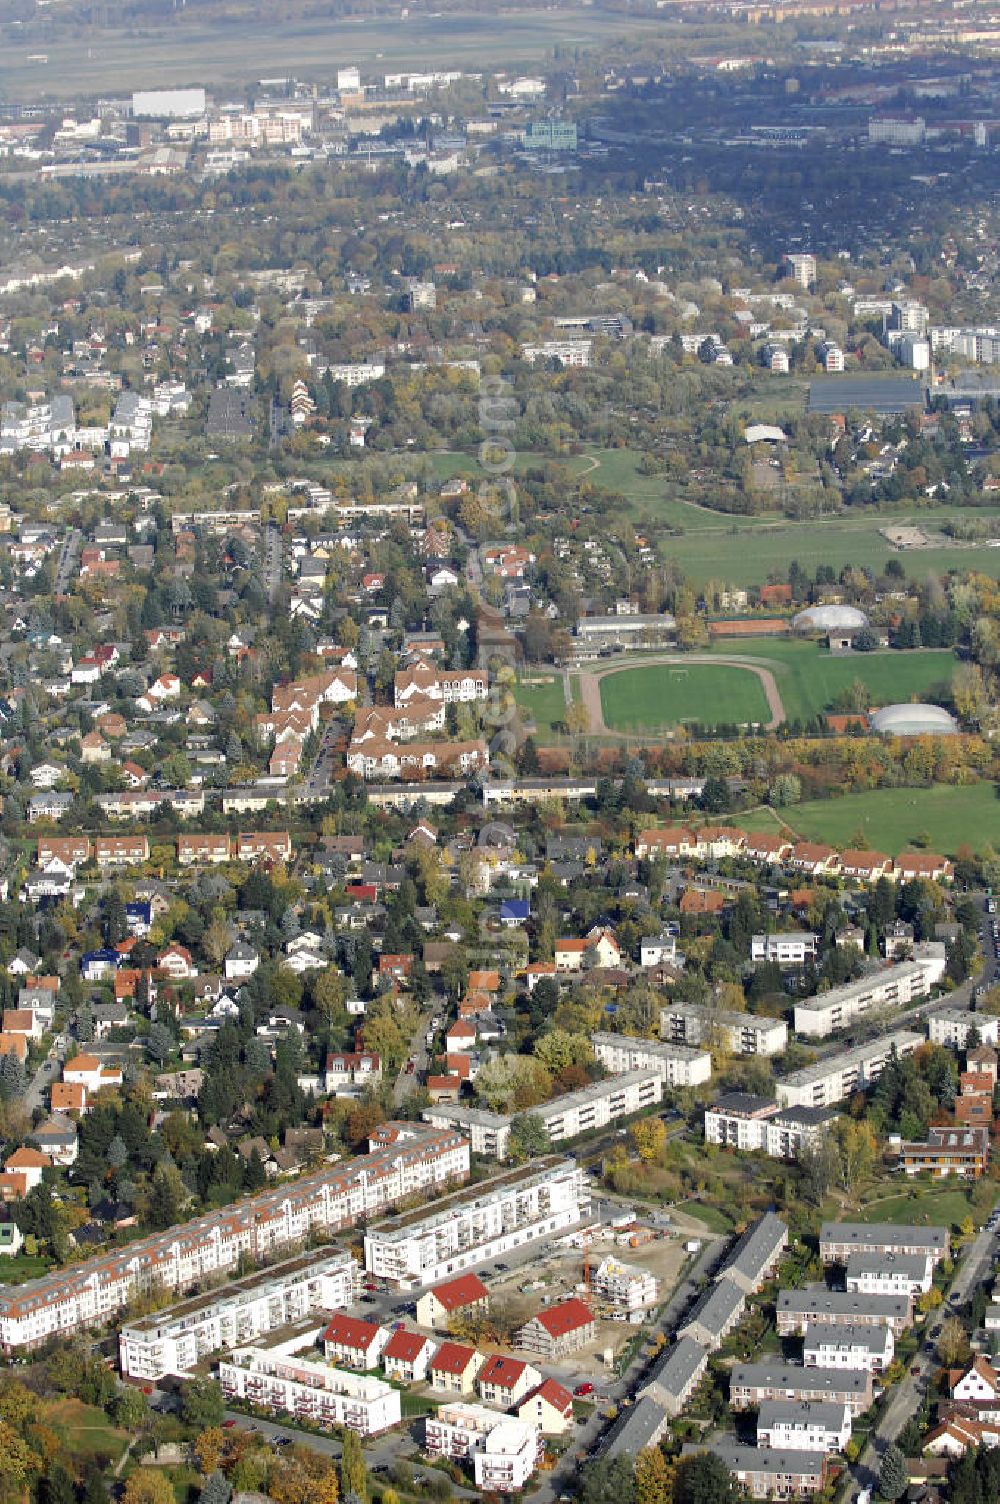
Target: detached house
(354,1343)
(406,1357)
(454,1367)
(466,1296)
(505,1381)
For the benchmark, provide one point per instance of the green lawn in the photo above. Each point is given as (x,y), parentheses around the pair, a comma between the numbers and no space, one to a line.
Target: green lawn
(666,694)
(14,1271)
(84,1429)
(892,819)
(922,1207)
(545,702)
(809,676)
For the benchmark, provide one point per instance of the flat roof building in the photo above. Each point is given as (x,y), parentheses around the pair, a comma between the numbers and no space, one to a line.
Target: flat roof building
(484,1222)
(740,1033)
(676,1064)
(274,1380)
(833,1079)
(894,987)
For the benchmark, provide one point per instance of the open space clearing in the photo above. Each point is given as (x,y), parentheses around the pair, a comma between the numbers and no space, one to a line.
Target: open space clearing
(893,820)
(809,676)
(920,1207)
(84,1429)
(545,702)
(186,50)
(746,551)
(665,694)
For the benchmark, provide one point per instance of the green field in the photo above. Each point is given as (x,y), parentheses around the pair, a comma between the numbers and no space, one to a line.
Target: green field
(546,703)
(668,694)
(921,1207)
(809,676)
(186,48)
(84,1429)
(894,819)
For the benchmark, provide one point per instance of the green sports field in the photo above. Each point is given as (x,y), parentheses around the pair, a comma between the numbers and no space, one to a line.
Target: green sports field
(667,695)
(893,820)
(545,702)
(809,676)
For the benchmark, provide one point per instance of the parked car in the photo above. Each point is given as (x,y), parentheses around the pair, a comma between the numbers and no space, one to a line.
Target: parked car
(584,1388)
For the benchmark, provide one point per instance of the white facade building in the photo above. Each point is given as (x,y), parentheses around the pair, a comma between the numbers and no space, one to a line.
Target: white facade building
(812,1425)
(488,1132)
(889,1274)
(834,1345)
(625,1286)
(484,1222)
(508,1457)
(753,1124)
(794,948)
(405,1160)
(310,1391)
(677,1065)
(175,1340)
(952,1027)
(831,1080)
(894,987)
(741,1033)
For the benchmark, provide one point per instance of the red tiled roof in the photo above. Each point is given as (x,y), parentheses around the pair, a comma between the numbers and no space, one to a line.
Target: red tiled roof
(452,1357)
(349,1331)
(554,1394)
(568,1316)
(405,1346)
(464,1291)
(504,1372)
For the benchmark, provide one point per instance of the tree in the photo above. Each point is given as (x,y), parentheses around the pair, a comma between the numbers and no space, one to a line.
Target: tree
(892,1479)
(649,1137)
(216,1490)
(608,1481)
(56,1487)
(529,1137)
(652,1477)
(147,1485)
(353,1473)
(209,1447)
(703,1478)
(953,1343)
(202,1404)
(130,1408)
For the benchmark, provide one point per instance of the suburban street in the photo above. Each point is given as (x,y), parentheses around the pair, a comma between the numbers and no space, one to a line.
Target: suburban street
(974,1263)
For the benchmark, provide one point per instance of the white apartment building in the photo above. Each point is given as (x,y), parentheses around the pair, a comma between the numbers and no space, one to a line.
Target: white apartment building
(676,1064)
(794,948)
(831,1080)
(835,1345)
(488,1132)
(483,1222)
(458,1429)
(811,1425)
(893,987)
(801,266)
(404,1160)
(131,422)
(565,1117)
(897,130)
(356,372)
(309,1391)
(570,352)
(627,1287)
(740,1033)
(952,1027)
(909,1274)
(175,1340)
(39,425)
(749,1123)
(831,356)
(508,1457)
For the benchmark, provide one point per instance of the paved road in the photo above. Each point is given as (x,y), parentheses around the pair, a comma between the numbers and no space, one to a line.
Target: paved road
(272,561)
(974,1263)
(47,1072)
(68,557)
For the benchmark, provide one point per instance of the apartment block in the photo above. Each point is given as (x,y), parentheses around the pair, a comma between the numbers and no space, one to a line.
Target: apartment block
(960,1151)
(405,1159)
(838,1240)
(742,1121)
(565,1117)
(766,1473)
(809,1425)
(676,1064)
(832,1080)
(832,1345)
(753,1383)
(887,1273)
(309,1391)
(794,948)
(952,1027)
(740,1033)
(488,1132)
(894,987)
(484,1222)
(797,1309)
(175,1340)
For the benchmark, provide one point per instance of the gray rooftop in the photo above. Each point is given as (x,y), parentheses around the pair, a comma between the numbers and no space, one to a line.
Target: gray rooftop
(764,1459)
(675,1368)
(757,1247)
(636,1429)
(660,1049)
(887,1235)
(803,1412)
(861,1054)
(821,1302)
(830,1334)
(913,1265)
(859,988)
(794,1376)
(716,1307)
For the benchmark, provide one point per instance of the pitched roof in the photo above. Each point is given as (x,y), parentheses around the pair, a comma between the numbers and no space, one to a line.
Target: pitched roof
(504,1372)
(567,1316)
(406,1347)
(466,1290)
(553,1393)
(452,1357)
(349,1331)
